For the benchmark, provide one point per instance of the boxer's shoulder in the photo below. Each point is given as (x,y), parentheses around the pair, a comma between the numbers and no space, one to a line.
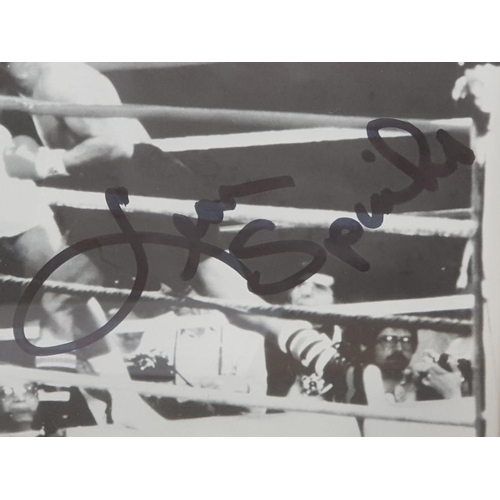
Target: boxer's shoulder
(76,83)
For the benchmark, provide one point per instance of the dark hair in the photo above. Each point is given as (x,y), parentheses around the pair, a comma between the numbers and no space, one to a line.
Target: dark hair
(362,338)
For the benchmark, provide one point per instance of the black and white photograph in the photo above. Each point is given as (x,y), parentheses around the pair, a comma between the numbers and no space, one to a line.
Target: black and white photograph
(274,249)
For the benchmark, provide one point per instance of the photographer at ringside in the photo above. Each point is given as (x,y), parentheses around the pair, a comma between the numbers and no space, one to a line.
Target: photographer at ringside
(390,350)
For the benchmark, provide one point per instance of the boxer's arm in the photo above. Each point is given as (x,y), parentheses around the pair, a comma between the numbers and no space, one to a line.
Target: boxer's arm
(215,279)
(97,150)
(296,338)
(103,140)
(97,139)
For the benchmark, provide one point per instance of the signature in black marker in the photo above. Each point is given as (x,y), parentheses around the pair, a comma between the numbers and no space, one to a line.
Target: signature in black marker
(344,232)
(209,212)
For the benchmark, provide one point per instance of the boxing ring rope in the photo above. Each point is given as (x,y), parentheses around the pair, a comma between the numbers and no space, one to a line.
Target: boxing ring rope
(333,313)
(267,138)
(128,66)
(306,405)
(326,128)
(261,119)
(282,216)
(452,213)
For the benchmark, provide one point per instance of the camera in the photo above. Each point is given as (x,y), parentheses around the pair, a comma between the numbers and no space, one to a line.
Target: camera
(464,365)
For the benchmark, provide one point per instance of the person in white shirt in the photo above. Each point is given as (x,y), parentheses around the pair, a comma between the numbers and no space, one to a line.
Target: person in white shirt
(201,348)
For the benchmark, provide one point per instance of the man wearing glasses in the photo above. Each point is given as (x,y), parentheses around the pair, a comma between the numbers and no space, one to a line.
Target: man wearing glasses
(390,350)
(378,368)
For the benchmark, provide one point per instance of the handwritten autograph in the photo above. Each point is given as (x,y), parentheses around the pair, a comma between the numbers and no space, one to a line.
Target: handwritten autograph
(344,232)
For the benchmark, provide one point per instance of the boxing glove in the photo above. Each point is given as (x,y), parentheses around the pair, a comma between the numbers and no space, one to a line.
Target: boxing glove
(24,159)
